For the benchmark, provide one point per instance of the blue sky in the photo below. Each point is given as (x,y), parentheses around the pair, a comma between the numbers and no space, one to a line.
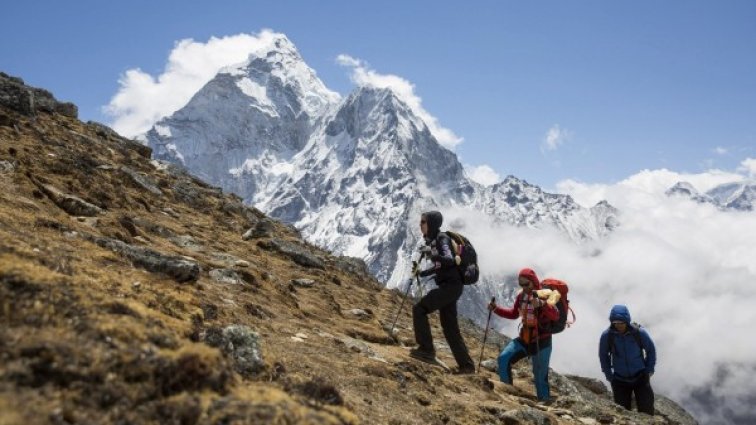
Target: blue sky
(619,86)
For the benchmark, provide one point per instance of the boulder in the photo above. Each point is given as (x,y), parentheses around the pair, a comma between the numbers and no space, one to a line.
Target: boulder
(180,269)
(241,344)
(142,181)
(69,203)
(297,253)
(263,229)
(14,94)
(226,276)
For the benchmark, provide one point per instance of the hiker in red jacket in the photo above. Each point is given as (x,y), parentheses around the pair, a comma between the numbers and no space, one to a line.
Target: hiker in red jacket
(534,339)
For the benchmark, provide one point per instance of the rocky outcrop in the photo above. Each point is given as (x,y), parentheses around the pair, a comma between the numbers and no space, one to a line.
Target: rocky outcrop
(15,95)
(180,269)
(241,344)
(296,252)
(71,204)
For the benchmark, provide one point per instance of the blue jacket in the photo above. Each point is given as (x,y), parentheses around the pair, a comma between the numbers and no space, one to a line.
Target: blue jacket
(626,361)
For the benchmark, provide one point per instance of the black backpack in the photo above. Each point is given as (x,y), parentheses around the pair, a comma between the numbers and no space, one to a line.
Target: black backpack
(468,264)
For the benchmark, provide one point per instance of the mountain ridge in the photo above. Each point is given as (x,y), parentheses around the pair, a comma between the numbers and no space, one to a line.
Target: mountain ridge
(368,148)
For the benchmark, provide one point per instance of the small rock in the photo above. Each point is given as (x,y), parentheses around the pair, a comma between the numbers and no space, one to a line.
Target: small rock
(188,242)
(142,181)
(490,364)
(171,212)
(304,283)
(301,335)
(243,346)
(263,229)
(6,167)
(587,421)
(136,285)
(225,276)
(241,263)
(360,313)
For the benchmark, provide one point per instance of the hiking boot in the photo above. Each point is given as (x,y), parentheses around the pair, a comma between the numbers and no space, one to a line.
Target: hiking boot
(426,356)
(466,370)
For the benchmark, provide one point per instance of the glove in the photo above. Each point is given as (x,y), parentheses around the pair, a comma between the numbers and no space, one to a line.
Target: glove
(415,269)
(492,306)
(608,377)
(425,251)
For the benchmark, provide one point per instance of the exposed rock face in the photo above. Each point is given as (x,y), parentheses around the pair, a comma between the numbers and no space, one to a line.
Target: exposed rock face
(15,95)
(242,344)
(182,270)
(70,203)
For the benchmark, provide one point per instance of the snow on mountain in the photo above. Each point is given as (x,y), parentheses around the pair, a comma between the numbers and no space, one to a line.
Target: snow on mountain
(740,196)
(250,119)
(352,174)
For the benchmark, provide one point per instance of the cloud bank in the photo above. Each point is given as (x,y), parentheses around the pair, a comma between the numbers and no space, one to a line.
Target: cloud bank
(363,75)
(685,270)
(143,99)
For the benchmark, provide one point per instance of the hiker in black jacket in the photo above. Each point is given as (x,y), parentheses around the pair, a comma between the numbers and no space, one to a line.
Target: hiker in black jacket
(443,298)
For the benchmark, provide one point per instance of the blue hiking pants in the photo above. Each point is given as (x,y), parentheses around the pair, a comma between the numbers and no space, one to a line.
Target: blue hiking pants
(515,351)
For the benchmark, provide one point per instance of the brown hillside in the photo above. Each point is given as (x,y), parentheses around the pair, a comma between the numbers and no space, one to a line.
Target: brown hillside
(133,293)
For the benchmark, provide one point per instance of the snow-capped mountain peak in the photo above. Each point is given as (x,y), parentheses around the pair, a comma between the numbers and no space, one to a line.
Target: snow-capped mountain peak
(352,174)
(740,196)
(279,65)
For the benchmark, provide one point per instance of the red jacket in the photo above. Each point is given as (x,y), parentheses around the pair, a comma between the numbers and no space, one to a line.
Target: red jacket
(544,314)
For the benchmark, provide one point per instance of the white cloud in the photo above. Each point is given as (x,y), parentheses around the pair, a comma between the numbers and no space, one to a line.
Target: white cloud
(719,150)
(143,99)
(683,269)
(647,185)
(363,75)
(748,166)
(483,174)
(555,137)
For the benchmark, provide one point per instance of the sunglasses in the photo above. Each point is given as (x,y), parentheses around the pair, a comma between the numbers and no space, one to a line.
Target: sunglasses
(525,285)
(422,221)
(619,323)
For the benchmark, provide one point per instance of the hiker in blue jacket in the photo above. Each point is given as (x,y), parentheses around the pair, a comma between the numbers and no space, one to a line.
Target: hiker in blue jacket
(621,351)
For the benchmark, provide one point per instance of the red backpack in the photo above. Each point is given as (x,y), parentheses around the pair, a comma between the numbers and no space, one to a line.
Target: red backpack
(563,305)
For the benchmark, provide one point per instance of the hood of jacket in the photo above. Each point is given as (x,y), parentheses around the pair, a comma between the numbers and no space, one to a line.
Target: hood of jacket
(620,313)
(433,220)
(530,274)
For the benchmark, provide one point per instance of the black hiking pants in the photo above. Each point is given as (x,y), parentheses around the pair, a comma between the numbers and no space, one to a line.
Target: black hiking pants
(644,394)
(444,299)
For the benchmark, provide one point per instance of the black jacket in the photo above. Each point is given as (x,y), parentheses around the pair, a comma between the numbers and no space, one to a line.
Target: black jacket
(444,265)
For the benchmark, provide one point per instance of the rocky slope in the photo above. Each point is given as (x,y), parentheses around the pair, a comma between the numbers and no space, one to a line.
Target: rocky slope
(133,293)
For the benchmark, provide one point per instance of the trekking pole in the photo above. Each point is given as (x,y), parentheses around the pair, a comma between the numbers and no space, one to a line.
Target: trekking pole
(406,294)
(485,335)
(536,358)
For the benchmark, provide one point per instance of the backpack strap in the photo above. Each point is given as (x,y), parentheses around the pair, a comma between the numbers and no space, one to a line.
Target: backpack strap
(635,332)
